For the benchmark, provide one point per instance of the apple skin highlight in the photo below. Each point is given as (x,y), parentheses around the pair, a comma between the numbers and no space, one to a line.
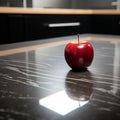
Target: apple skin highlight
(79,55)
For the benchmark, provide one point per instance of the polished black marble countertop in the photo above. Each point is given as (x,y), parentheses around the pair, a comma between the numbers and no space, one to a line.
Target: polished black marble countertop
(38,84)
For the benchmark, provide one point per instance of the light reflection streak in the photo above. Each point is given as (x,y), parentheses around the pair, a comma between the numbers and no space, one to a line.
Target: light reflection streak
(61,103)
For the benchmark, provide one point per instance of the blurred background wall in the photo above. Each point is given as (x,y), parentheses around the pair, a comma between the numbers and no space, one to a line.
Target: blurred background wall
(74,4)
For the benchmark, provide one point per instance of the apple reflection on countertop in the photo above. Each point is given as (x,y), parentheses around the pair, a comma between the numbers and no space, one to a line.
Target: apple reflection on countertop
(79,87)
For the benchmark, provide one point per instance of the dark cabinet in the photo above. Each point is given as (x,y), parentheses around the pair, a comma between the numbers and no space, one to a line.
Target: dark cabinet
(106,24)
(25,27)
(16,28)
(3,29)
(12,28)
(34,27)
(43,26)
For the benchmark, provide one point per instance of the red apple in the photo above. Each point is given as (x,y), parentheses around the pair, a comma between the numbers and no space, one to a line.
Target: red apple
(79,55)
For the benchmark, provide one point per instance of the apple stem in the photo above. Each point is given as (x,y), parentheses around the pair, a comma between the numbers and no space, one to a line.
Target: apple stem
(78,38)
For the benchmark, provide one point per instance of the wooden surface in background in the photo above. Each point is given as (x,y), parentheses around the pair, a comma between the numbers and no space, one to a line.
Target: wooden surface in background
(16,10)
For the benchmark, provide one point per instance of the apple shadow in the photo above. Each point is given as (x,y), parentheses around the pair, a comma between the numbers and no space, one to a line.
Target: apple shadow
(79,85)
(79,70)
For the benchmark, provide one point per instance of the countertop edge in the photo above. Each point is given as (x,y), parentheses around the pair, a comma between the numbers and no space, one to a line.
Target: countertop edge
(15,10)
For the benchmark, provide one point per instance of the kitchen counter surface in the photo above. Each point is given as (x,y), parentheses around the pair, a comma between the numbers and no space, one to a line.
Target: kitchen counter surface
(14,10)
(37,84)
